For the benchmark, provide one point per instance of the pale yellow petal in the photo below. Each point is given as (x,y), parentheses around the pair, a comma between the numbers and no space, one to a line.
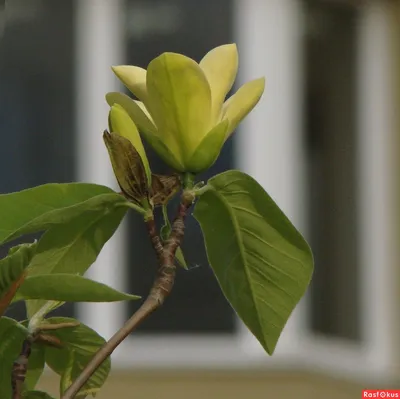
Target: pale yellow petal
(208,150)
(220,67)
(135,109)
(138,112)
(134,78)
(242,102)
(180,101)
(145,111)
(168,155)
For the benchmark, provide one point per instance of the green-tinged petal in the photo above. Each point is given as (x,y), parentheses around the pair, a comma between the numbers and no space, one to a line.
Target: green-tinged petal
(220,67)
(121,123)
(242,102)
(208,150)
(145,111)
(134,78)
(171,158)
(180,101)
(135,109)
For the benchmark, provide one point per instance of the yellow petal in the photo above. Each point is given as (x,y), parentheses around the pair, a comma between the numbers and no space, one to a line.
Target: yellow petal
(121,123)
(134,78)
(208,150)
(180,101)
(220,67)
(166,154)
(242,102)
(135,109)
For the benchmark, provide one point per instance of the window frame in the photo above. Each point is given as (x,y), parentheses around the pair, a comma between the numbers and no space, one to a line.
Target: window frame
(374,357)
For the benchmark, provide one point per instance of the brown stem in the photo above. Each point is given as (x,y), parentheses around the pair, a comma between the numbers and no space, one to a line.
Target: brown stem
(49,340)
(50,327)
(20,367)
(155,238)
(161,288)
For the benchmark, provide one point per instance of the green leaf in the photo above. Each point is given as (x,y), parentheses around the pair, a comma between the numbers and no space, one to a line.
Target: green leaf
(37,395)
(66,377)
(12,334)
(261,261)
(180,258)
(14,264)
(35,366)
(12,269)
(72,248)
(39,208)
(69,288)
(84,343)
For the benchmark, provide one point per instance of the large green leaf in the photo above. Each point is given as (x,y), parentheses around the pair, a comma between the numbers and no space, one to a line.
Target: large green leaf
(66,377)
(41,207)
(69,288)
(82,343)
(12,334)
(72,247)
(12,269)
(261,261)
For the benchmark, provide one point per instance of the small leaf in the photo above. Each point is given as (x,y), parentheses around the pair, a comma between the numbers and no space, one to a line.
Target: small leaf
(181,258)
(84,342)
(37,395)
(165,231)
(69,288)
(73,247)
(12,270)
(261,261)
(39,208)
(35,366)
(12,334)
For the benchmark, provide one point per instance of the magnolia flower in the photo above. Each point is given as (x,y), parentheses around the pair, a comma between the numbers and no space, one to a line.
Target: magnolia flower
(182,112)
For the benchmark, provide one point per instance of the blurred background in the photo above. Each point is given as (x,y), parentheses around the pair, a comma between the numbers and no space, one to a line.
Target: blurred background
(324,142)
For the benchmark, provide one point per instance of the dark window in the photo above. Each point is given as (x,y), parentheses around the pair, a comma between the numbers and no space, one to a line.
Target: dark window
(192,28)
(36,100)
(332,151)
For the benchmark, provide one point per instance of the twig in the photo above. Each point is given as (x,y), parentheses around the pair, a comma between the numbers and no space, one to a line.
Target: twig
(49,340)
(154,238)
(20,367)
(161,288)
(50,327)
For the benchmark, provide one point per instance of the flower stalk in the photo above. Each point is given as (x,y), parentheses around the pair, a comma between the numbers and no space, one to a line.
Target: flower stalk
(160,290)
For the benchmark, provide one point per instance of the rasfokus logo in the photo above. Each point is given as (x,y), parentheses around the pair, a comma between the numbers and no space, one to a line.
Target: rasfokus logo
(380,393)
